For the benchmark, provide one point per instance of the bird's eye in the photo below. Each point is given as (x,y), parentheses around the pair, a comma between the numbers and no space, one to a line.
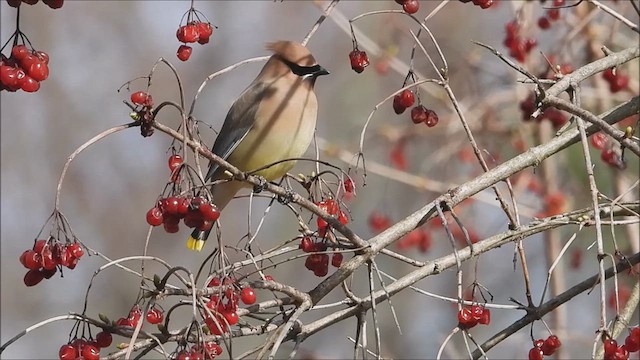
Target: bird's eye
(305,71)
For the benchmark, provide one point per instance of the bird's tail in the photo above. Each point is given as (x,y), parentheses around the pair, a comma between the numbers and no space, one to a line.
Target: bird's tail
(197,239)
(221,195)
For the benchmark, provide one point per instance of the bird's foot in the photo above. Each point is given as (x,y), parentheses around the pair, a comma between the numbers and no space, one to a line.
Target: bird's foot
(287,197)
(261,186)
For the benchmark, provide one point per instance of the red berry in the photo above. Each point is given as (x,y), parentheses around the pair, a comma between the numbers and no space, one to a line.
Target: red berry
(465,318)
(139,98)
(48,262)
(248,296)
(8,76)
(155,316)
(608,75)
(550,345)
(14,3)
(19,52)
(30,2)
(184,52)
(599,140)
(75,250)
(209,212)
(609,156)
(67,352)
(231,317)
(407,99)
(544,23)
(419,114)
(175,161)
(54,4)
(33,277)
(29,84)
(104,339)
(336,259)
(183,206)
(193,218)
(38,70)
(621,353)
(171,205)
(620,82)
(359,60)
(610,347)
(432,118)
(154,216)
(306,244)
(348,185)
(32,260)
(398,108)
(205,30)
(411,7)
(171,228)
(188,34)
(90,352)
(183,355)
(212,349)
(378,222)
(485,318)
(535,354)
(631,343)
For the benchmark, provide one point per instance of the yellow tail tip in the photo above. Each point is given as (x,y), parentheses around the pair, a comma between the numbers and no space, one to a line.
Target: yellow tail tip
(194,244)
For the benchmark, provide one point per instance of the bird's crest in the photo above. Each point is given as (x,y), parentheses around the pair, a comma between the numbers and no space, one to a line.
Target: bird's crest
(292,51)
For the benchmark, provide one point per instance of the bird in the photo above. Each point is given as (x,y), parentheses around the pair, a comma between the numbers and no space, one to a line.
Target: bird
(272,120)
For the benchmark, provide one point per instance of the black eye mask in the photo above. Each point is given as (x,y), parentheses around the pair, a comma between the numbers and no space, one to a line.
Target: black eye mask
(305,71)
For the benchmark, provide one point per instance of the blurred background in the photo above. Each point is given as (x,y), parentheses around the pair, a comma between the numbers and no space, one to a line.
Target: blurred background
(96,46)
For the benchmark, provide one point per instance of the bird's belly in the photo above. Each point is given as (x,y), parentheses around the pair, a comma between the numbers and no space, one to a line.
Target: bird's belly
(264,146)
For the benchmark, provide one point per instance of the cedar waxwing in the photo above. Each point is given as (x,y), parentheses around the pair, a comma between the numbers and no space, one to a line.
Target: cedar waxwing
(273,120)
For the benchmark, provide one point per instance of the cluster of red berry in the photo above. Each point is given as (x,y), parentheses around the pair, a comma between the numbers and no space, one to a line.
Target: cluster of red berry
(196,212)
(631,344)
(617,80)
(207,351)
(469,317)
(409,6)
(555,116)
(349,189)
(54,4)
(518,46)
(600,141)
(420,238)
(402,101)
(359,60)
(24,69)
(318,263)
(46,256)
(333,208)
(554,203)
(421,114)
(143,112)
(154,316)
(194,31)
(85,349)
(485,4)
(224,306)
(544,22)
(544,347)
(378,222)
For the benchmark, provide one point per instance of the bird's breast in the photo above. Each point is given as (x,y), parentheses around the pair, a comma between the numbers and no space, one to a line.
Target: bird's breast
(283,129)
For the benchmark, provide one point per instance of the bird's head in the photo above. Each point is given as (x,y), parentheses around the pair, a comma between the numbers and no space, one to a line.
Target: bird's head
(296,58)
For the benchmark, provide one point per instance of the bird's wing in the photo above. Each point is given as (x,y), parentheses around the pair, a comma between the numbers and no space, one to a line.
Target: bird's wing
(238,123)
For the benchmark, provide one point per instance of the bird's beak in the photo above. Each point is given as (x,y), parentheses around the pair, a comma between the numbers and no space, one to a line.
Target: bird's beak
(321,71)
